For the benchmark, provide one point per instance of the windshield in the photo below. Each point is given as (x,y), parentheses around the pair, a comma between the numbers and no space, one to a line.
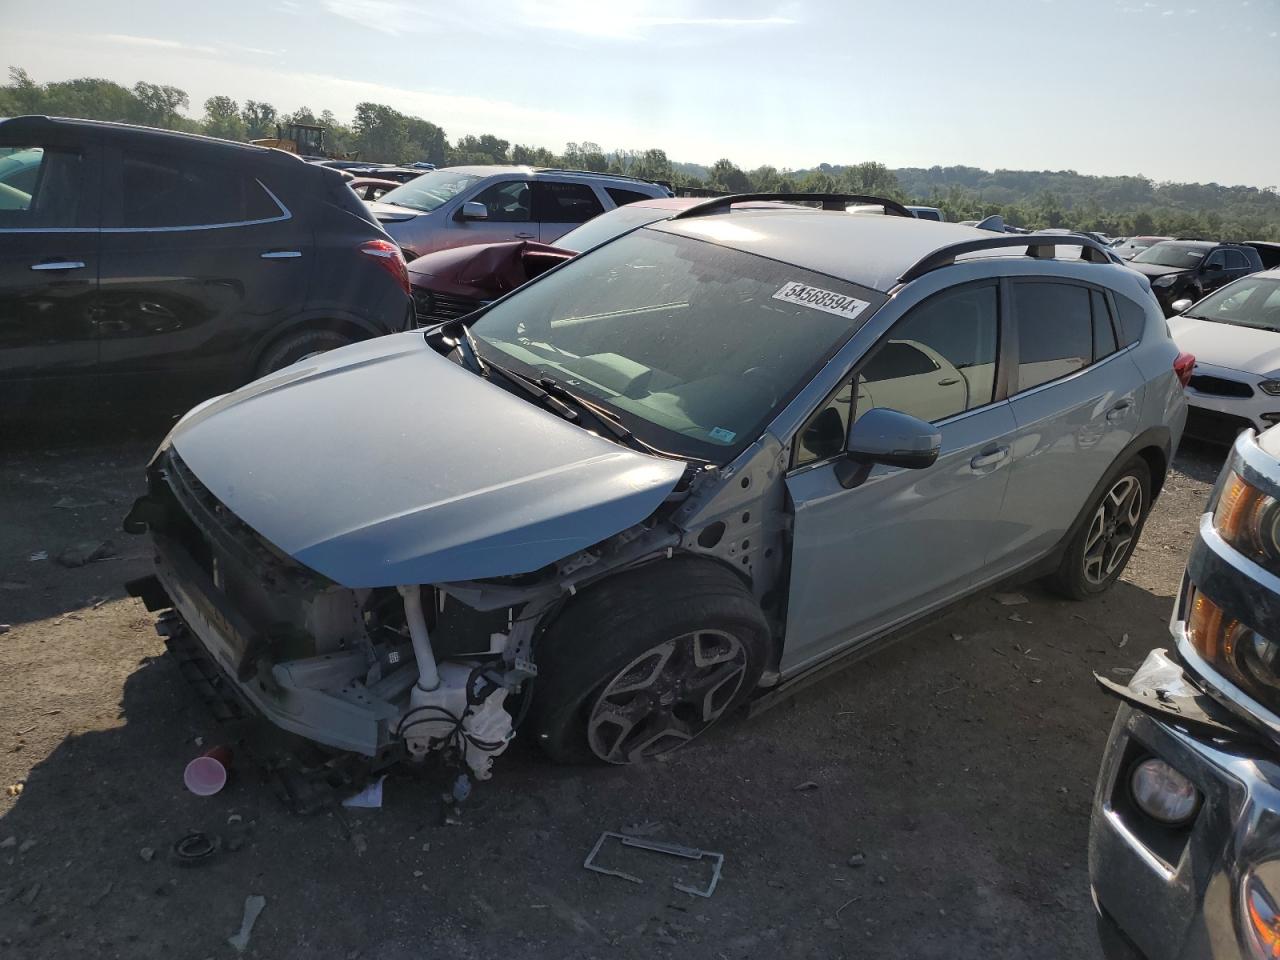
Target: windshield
(609,225)
(1170,254)
(428,191)
(695,346)
(1251,302)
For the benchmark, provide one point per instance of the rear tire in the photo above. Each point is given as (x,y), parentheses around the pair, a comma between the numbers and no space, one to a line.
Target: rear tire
(641,663)
(299,346)
(1109,530)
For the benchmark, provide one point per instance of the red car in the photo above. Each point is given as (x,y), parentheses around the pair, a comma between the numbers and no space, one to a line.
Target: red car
(453,282)
(371,188)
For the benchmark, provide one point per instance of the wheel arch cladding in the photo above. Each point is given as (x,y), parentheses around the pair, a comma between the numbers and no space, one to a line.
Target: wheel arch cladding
(1158,464)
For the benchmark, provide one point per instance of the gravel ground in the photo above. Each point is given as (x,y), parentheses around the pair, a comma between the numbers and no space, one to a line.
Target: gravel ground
(948,814)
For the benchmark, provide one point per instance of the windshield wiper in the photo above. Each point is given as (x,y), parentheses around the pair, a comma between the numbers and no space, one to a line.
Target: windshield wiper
(607,419)
(531,387)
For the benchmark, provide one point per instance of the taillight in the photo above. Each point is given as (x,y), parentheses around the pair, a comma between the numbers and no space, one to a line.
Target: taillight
(1183,366)
(389,257)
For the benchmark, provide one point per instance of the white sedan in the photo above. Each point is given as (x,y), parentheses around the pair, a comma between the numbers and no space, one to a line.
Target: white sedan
(1234,334)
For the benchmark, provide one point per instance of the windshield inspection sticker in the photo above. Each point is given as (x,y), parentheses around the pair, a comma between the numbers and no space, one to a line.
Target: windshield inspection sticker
(721,434)
(818,299)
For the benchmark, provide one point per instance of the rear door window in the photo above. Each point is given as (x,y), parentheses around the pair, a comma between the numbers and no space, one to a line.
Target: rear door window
(160,190)
(1055,331)
(42,187)
(564,202)
(1235,260)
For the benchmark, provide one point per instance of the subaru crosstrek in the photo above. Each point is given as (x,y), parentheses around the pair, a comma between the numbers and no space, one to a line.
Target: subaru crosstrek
(689,467)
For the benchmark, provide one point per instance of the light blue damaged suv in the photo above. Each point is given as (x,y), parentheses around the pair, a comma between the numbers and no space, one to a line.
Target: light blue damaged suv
(687,468)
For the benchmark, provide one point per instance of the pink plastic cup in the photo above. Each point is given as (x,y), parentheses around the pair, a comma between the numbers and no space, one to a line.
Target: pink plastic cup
(207,773)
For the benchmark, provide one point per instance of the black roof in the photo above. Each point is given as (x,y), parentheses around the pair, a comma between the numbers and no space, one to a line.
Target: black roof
(107,132)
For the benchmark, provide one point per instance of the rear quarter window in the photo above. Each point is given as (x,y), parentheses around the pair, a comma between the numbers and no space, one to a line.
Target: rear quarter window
(1133,320)
(173,190)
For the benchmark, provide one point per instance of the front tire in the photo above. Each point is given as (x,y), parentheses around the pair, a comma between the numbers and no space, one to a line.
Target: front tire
(1107,535)
(640,664)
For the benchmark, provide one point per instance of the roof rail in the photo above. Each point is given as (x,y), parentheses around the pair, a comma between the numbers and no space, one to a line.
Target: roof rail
(829,201)
(1040,246)
(595,173)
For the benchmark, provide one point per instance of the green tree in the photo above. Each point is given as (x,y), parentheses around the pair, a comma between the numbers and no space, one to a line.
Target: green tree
(157,105)
(381,133)
(425,141)
(533,156)
(726,176)
(259,120)
(222,119)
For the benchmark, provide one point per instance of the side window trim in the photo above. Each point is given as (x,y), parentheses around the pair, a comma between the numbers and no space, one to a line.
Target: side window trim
(999,393)
(285,214)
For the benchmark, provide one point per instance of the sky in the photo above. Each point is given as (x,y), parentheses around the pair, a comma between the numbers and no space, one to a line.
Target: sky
(1173,91)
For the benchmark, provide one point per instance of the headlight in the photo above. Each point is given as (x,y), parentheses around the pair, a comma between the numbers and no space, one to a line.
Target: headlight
(1270,386)
(1246,658)
(1249,520)
(1162,793)
(1261,918)
(1165,281)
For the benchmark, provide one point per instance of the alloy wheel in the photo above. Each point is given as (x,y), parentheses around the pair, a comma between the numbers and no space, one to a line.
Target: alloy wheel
(1112,530)
(666,696)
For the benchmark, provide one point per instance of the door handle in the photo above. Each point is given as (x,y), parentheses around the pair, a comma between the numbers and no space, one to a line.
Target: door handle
(989,457)
(1116,412)
(281,254)
(59,265)
(949,382)
(524,236)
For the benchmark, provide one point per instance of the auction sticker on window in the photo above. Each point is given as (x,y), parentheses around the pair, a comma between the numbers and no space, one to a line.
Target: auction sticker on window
(818,299)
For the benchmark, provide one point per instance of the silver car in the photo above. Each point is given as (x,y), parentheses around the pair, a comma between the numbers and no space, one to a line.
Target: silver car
(456,206)
(689,468)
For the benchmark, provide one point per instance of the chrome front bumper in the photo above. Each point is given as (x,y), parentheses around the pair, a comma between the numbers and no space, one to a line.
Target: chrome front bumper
(1177,893)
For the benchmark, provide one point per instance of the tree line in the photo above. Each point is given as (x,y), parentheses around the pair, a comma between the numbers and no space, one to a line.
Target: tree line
(1124,205)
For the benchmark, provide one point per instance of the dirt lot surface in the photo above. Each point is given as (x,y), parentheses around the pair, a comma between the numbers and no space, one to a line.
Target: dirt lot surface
(959,764)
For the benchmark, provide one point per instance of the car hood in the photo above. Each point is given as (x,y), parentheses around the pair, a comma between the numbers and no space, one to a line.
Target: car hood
(487,270)
(390,212)
(385,463)
(1153,269)
(1224,345)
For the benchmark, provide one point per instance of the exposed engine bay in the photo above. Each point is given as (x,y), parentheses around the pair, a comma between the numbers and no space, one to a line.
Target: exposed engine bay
(412,670)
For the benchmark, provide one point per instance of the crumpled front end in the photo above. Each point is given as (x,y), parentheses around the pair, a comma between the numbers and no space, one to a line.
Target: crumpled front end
(390,672)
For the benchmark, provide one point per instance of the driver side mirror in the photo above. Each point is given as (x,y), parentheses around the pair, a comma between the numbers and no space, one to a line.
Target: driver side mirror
(890,437)
(473,210)
(1182,306)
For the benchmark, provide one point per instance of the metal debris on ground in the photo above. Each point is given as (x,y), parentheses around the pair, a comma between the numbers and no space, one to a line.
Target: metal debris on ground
(253,906)
(39,555)
(805,787)
(1009,599)
(647,828)
(657,846)
(195,849)
(370,798)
